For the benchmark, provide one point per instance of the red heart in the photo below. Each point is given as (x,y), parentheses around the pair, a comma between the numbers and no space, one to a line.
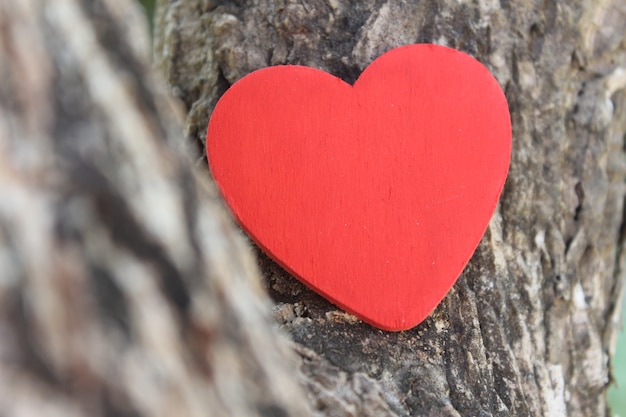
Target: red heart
(374,195)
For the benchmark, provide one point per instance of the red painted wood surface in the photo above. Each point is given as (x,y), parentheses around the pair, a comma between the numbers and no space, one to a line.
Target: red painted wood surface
(374,195)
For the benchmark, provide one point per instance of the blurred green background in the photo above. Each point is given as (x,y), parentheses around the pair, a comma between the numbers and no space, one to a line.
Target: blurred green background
(617,393)
(148,5)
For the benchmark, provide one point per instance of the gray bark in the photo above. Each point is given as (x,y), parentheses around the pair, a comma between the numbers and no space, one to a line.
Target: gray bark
(529,327)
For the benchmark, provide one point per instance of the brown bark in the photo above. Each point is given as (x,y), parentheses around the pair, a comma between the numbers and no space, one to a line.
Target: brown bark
(529,326)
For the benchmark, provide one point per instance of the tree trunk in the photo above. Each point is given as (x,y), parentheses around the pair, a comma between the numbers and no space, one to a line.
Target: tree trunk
(529,326)
(125,290)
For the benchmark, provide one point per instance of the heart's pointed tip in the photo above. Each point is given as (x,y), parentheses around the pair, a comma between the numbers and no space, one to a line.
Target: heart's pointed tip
(392,321)
(394,326)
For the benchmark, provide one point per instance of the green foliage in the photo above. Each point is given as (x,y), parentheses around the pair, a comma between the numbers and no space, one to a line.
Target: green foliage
(617,393)
(149,7)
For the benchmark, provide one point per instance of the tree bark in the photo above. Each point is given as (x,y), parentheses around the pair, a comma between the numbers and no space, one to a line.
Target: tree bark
(529,327)
(125,289)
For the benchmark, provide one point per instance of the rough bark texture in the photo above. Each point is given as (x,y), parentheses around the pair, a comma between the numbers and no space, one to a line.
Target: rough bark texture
(529,326)
(124,290)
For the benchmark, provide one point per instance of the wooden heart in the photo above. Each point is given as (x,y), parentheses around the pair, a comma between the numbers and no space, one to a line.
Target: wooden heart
(373,195)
